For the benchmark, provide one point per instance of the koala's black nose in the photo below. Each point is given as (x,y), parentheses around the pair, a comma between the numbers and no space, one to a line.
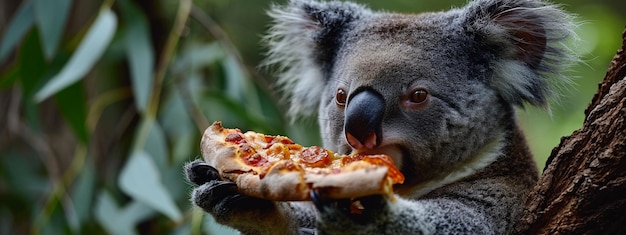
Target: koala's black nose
(364,116)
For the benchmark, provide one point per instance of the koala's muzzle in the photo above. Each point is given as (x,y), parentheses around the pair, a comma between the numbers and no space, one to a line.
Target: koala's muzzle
(364,116)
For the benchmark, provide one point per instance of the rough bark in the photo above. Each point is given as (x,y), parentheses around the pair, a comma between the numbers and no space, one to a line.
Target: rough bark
(583,187)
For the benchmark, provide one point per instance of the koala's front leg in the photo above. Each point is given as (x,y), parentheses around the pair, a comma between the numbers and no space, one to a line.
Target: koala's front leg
(247,214)
(400,216)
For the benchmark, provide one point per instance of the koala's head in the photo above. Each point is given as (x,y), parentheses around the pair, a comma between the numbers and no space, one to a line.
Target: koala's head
(432,90)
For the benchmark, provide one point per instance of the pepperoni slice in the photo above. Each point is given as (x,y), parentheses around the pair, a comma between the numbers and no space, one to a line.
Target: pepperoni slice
(385,160)
(235,138)
(315,157)
(255,160)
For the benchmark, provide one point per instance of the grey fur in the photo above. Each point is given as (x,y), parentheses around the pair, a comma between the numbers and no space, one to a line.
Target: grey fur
(467,166)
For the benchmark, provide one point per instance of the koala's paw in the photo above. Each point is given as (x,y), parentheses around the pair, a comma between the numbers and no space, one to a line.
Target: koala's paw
(349,214)
(218,197)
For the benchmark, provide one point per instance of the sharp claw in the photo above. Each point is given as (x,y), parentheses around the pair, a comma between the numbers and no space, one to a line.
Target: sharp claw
(246,202)
(217,192)
(201,173)
(231,201)
(222,184)
(213,174)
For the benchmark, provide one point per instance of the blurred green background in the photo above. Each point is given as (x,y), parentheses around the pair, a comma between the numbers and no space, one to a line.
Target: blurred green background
(103,102)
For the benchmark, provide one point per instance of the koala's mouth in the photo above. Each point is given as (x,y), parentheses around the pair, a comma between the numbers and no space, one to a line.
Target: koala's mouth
(394,151)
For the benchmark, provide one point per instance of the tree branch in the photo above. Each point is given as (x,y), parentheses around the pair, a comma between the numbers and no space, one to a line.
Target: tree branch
(583,187)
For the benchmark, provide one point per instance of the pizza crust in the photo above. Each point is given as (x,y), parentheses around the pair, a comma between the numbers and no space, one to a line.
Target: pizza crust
(282,184)
(354,182)
(220,155)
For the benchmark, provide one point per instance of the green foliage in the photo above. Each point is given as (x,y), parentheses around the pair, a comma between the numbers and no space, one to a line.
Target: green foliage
(139,53)
(90,49)
(51,17)
(104,102)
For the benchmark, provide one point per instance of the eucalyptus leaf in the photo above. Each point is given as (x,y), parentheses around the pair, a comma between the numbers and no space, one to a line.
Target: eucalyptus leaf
(109,215)
(86,55)
(32,71)
(237,84)
(51,17)
(141,180)
(32,65)
(71,217)
(120,220)
(185,146)
(242,89)
(72,105)
(23,20)
(83,193)
(196,56)
(139,52)
(175,182)
(178,126)
(156,146)
(219,106)
(136,212)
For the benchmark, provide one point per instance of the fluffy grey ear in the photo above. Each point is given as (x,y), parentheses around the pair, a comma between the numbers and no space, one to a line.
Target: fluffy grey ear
(525,39)
(303,41)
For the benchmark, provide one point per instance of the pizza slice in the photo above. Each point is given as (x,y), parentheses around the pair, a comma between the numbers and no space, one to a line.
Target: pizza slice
(276,168)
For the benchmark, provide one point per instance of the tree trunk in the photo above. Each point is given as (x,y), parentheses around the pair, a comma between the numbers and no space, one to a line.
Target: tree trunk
(583,187)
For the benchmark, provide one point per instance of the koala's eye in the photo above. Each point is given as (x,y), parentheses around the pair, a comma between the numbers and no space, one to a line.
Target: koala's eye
(416,99)
(418,96)
(341,97)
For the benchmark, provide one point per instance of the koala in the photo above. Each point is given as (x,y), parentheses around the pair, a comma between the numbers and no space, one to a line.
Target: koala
(435,91)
